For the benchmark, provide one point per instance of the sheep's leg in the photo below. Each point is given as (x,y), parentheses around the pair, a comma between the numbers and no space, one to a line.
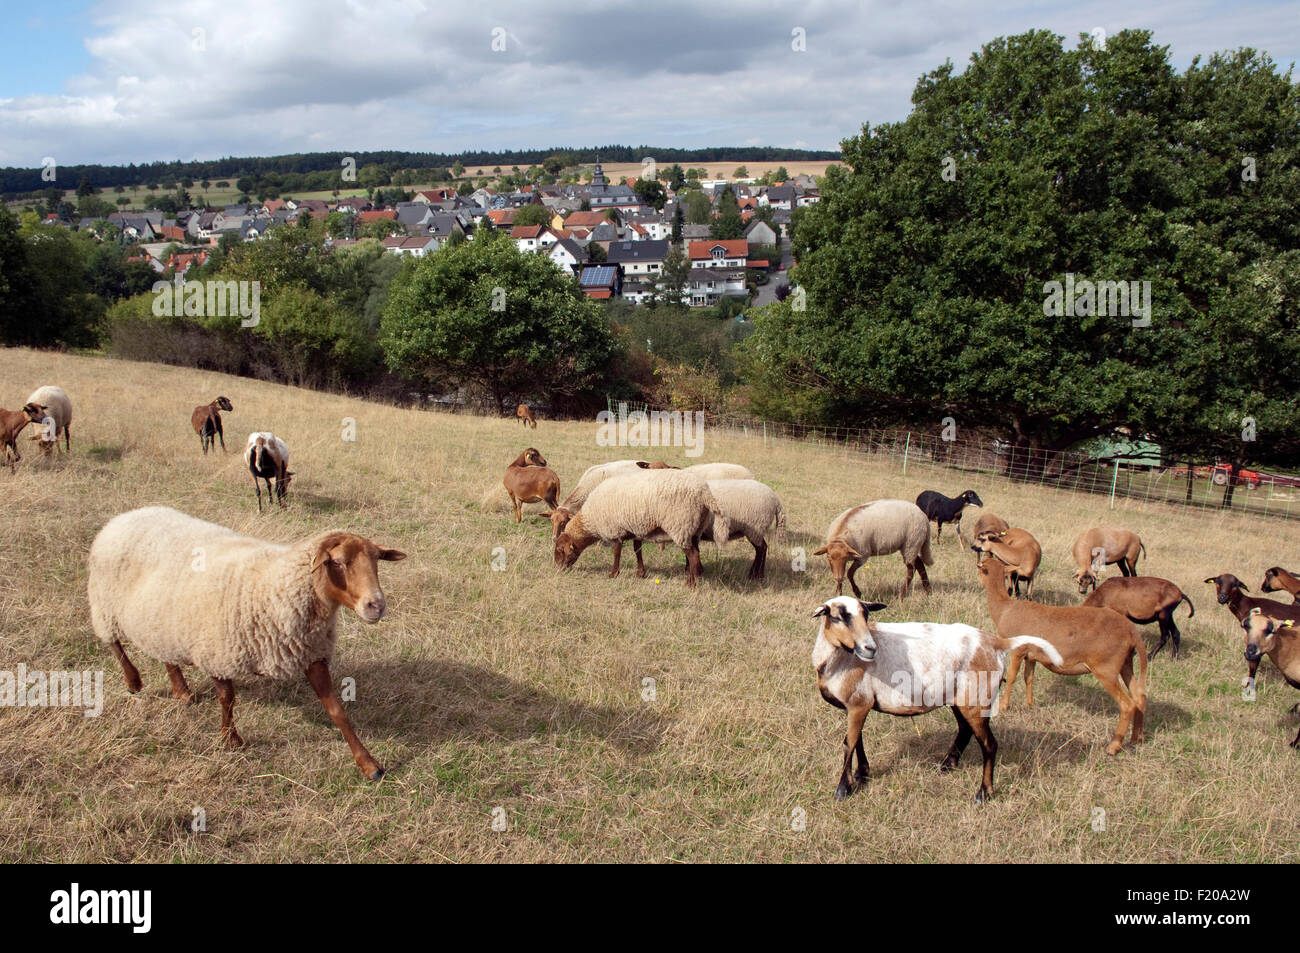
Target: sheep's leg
(988,747)
(1164,637)
(1013,669)
(1295,743)
(640,563)
(757,570)
(1110,681)
(853,569)
(1029,589)
(618,556)
(925,580)
(1139,701)
(226,692)
(180,689)
(318,674)
(258,487)
(863,772)
(129,671)
(1173,631)
(1030,668)
(220,433)
(959,743)
(907,583)
(67,439)
(514,503)
(851,742)
(693,567)
(939,533)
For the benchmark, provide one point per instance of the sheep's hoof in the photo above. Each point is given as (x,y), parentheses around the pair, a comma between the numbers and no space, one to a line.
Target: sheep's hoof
(233,740)
(982,795)
(842,791)
(376,774)
(948,764)
(133,685)
(187,699)
(1114,747)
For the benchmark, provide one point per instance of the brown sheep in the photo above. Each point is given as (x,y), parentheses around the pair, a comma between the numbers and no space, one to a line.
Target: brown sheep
(1144,599)
(1018,552)
(525,416)
(1278,579)
(1101,546)
(529,480)
(1228,589)
(988,523)
(12,423)
(206,421)
(1280,641)
(1097,641)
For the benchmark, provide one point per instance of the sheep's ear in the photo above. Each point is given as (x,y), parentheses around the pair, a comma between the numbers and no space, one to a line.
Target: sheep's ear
(873,606)
(643,464)
(1211,579)
(821,610)
(392,555)
(1243,585)
(1254,611)
(852,552)
(821,552)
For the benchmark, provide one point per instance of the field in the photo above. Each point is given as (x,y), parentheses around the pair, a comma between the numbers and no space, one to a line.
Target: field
(522,694)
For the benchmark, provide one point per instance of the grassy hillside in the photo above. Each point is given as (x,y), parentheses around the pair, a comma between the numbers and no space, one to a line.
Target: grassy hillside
(523,689)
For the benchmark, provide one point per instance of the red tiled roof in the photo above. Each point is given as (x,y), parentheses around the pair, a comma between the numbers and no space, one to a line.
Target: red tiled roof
(587,219)
(733,248)
(502,216)
(601,293)
(376,215)
(526,231)
(759,263)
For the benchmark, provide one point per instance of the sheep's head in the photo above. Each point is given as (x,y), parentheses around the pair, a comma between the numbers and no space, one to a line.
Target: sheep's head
(532,457)
(1273,579)
(838,552)
(567,549)
(559,519)
(844,624)
(35,412)
(223,403)
(1225,585)
(983,542)
(970,497)
(345,569)
(990,571)
(1087,580)
(657,465)
(1261,633)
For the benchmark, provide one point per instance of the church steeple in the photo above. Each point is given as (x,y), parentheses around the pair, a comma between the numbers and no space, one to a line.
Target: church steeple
(598,176)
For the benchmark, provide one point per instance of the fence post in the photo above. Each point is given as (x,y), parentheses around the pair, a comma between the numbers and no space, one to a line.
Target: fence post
(1113,480)
(906,447)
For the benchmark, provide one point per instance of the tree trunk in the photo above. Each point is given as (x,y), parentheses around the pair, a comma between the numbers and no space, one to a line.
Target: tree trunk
(1189,479)
(1232,485)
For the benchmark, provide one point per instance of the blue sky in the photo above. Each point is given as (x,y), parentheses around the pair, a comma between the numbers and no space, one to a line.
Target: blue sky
(141,80)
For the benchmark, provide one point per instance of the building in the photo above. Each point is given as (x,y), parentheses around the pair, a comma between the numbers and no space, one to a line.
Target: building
(719,253)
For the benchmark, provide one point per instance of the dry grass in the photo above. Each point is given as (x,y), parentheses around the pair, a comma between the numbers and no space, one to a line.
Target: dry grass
(522,689)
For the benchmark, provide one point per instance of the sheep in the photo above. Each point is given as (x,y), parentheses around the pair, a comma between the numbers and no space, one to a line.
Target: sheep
(529,480)
(878,528)
(988,523)
(525,416)
(1101,546)
(1280,641)
(267,457)
(908,668)
(206,421)
(592,477)
(1229,591)
(1100,641)
(942,509)
(12,423)
(1278,579)
(656,506)
(191,593)
(706,471)
(50,408)
(1144,599)
(1018,552)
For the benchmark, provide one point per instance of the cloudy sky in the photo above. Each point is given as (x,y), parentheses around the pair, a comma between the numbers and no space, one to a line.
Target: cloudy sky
(141,80)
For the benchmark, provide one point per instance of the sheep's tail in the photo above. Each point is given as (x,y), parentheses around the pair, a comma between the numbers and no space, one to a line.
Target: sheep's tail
(926,555)
(780,520)
(1026,642)
(1191,609)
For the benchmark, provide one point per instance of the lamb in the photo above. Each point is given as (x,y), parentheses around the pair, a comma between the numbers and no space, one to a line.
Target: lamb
(50,408)
(655,506)
(1280,641)
(529,480)
(1144,599)
(1101,546)
(525,416)
(988,523)
(191,593)
(942,509)
(908,668)
(1018,552)
(1100,641)
(878,528)
(206,421)
(267,457)
(1229,591)
(1278,579)
(12,423)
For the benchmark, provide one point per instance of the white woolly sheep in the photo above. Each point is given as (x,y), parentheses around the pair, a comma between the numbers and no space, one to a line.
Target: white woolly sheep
(591,478)
(659,506)
(877,529)
(907,668)
(188,592)
(51,410)
(751,508)
(706,471)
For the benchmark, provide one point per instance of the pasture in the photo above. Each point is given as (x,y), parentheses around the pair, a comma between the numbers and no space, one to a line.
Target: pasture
(521,693)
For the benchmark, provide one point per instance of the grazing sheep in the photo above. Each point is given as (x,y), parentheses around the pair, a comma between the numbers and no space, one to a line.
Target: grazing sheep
(1278,579)
(525,416)
(1229,591)
(988,523)
(529,480)
(50,409)
(1018,552)
(12,423)
(1280,641)
(591,478)
(908,668)
(1144,599)
(267,457)
(206,421)
(705,471)
(1100,546)
(751,507)
(639,506)
(942,509)
(877,529)
(191,593)
(1100,641)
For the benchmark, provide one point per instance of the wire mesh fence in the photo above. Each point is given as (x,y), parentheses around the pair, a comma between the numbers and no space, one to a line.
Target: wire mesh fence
(1204,486)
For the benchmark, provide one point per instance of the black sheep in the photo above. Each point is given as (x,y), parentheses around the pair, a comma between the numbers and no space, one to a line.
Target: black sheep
(942,509)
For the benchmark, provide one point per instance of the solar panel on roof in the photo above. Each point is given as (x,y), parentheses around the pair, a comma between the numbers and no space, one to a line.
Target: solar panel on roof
(599,275)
